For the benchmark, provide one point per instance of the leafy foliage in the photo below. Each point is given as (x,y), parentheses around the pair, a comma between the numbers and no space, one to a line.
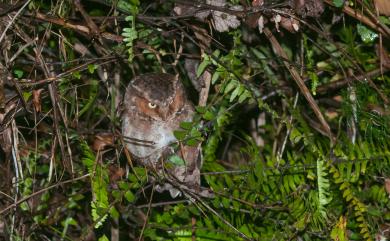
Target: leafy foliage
(275,172)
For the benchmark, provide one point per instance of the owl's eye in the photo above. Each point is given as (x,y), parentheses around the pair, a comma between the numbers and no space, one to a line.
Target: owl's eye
(152,105)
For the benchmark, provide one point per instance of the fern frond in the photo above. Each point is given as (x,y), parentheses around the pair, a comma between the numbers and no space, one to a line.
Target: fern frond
(99,182)
(324,196)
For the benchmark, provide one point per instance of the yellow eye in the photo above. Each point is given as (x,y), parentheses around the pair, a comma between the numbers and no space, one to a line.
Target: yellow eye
(152,105)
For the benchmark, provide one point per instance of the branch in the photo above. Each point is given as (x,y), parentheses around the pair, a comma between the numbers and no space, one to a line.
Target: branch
(299,81)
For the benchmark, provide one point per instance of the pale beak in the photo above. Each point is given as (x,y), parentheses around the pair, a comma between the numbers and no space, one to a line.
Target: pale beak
(164,113)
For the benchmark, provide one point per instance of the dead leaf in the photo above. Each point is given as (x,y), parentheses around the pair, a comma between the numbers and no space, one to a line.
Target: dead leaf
(223,21)
(102,141)
(277,19)
(6,140)
(383,7)
(115,173)
(252,20)
(387,185)
(384,56)
(202,35)
(338,98)
(257,3)
(260,24)
(310,8)
(331,114)
(181,9)
(37,100)
(290,24)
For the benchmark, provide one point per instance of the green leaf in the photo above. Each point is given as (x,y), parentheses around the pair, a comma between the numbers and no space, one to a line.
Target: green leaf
(93,91)
(128,6)
(186,125)
(208,115)
(129,18)
(130,35)
(26,95)
(116,194)
(124,185)
(129,196)
(230,86)
(114,213)
(69,221)
(338,3)
(195,133)
(384,20)
(200,109)
(295,135)
(367,35)
(215,77)
(203,65)
(244,96)
(193,142)
(76,74)
(216,53)
(180,135)
(314,81)
(103,238)
(92,68)
(237,92)
(18,73)
(97,216)
(176,160)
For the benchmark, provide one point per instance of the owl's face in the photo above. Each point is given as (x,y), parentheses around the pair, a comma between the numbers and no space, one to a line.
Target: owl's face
(154,106)
(155,96)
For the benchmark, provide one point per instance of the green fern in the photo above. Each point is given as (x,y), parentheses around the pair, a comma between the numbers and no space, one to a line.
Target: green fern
(324,196)
(99,182)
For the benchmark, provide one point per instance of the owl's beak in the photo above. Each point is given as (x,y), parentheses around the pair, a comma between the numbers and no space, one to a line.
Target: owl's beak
(164,113)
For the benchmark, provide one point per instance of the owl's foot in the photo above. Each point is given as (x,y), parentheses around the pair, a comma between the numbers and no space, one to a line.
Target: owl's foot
(168,187)
(178,182)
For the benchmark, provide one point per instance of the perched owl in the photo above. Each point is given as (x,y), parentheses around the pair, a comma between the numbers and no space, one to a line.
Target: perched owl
(154,105)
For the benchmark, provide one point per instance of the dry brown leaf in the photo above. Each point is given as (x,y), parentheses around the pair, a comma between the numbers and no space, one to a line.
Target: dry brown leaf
(290,24)
(202,35)
(383,7)
(257,3)
(310,8)
(116,173)
(387,185)
(331,114)
(384,56)
(102,140)
(338,98)
(253,19)
(37,99)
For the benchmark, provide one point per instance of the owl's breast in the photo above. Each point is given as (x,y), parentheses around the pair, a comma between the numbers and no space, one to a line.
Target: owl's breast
(154,138)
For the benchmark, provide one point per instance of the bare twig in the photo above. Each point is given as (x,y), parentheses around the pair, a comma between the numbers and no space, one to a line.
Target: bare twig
(322,89)
(147,215)
(77,27)
(299,81)
(42,191)
(377,26)
(13,20)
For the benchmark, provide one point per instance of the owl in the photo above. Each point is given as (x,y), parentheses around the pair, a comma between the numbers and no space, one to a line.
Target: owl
(154,105)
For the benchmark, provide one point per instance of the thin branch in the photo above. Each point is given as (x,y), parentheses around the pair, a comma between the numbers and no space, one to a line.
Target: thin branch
(299,81)
(42,191)
(13,20)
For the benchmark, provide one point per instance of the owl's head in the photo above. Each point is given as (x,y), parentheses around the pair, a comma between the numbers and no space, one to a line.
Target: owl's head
(157,96)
